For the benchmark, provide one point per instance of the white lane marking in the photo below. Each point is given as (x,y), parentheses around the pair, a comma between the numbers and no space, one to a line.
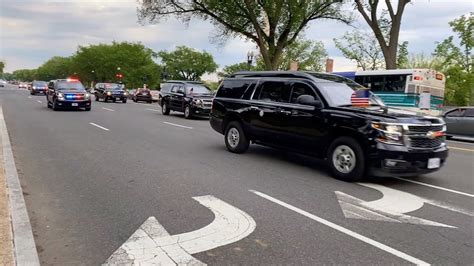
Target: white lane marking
(152,244)
(155,110)
(344,230)
(460,149)
(437,187)
(29,97)
(24,243)
(176,125)
(392,207)
(101,127)
(111,110)
(39,101)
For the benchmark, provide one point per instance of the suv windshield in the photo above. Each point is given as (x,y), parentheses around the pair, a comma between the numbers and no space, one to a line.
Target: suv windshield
(113,86)
(197,89)
(349,82)
(40,83)
(339,94)
(73,86)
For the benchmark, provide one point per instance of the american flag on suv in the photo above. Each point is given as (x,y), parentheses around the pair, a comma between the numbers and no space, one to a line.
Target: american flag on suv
(360,98)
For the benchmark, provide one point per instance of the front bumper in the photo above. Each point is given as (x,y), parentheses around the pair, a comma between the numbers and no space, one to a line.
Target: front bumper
(143,98)
(203,111)
(390,160)
(73,104)
(38,91)
(120,97)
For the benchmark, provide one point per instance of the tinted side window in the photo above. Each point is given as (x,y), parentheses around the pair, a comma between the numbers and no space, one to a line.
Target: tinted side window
(455,113)
(174,89)
(233,88)
(275,91)
(469,112)
(299,89)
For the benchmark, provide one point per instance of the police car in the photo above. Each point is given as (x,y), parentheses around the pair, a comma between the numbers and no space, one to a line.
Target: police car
(67,93)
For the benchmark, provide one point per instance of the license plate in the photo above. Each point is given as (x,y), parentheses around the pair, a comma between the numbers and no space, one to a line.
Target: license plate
(74,104)
(118,99)
(433,163)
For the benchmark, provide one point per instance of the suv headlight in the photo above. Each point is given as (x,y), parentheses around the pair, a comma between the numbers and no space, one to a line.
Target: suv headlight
(87,96)
(109,93)
(60,96)
(198,102)
(389,133)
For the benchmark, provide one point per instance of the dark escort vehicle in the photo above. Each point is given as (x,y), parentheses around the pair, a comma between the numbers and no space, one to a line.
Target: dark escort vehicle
(301,112)
(67,93)
(190,97)
(110,91)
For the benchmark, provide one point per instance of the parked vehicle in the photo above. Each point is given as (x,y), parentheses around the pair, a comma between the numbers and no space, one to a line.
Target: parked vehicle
(190,97)
(460,122)
(131,93)
(39,87)
(3,83)
(110,91)
(155,95)
(142,95)
(67,93)
(353,130)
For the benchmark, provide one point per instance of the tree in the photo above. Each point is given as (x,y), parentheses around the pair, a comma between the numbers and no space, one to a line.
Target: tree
(423,61)
(54,68)
(388,42)
(402,57)
(102,62)
(186,63)
(457,61)
(272,25)
(310,55)
(2,66)
(362,48)
(24,74)
(231,69)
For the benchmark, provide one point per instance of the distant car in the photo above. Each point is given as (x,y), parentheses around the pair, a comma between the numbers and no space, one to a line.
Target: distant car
(3,83)
(131,93)
(39,87)
(155,95)
(190,97)
(110,91)
(460,122)
(23,85)
(142,95)
(67,93)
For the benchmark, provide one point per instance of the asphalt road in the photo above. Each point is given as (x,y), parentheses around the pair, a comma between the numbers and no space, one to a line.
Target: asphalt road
(91,179)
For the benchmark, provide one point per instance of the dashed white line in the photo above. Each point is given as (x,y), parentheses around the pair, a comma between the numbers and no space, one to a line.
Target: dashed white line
(155,110)
(29,97)
(176,125)
(101,127)
(39,101)
(344,230)
(108,109)
(437,187)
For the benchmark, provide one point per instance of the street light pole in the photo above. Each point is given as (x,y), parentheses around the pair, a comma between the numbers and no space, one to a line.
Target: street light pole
(250,57)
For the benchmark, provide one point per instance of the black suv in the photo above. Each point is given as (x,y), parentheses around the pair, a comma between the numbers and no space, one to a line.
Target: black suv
(192,98)
(301,112)
(67,93)
(110,91)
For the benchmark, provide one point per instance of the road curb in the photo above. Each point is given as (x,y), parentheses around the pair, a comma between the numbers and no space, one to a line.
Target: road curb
(24,244)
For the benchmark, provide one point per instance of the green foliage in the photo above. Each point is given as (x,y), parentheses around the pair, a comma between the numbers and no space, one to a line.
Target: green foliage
(310,55)
(362,48)
(231,69)
(186,63)
(2,67)
(272,25)
(24,74)
(100,63)
(211,84)
(457,60)
(55,68)
(402,57)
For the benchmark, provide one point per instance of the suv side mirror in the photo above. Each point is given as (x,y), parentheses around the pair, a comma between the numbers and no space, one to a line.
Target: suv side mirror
(309,100)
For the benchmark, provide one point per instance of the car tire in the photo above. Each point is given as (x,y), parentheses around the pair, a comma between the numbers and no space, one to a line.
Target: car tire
(97,98)
(134,100)
(55,106)
(48,104)
(150,102)
(124,100)
(164,109)
(88,108)
(188,114)
(235,139)
(114,100)
(346,159)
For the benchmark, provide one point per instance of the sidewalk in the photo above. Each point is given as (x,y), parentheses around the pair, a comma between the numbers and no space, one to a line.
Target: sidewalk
(6,241)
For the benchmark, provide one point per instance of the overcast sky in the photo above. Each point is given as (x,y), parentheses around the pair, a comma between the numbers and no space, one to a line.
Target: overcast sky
(32,31)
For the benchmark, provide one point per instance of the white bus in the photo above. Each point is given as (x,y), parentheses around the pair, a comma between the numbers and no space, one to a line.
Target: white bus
(410,88)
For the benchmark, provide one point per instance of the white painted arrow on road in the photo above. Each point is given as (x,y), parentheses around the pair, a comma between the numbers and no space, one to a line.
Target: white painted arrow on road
(392,207)
(152,244)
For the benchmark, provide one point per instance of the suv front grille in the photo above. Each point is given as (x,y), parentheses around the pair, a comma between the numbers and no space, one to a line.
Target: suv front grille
(418,136)
(426,143)
(424,129)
